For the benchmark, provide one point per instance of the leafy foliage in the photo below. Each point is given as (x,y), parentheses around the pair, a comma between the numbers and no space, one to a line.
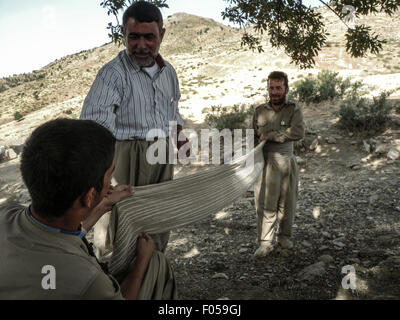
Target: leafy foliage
(357,113)
(18,115)
(326,86)
(16,80)
(291,25)
(228,118)
(299,30)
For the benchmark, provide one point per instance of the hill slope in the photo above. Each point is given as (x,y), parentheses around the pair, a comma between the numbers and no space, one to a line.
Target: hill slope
(212,67)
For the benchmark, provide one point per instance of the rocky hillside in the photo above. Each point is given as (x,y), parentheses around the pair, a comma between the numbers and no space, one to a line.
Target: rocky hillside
(213,68)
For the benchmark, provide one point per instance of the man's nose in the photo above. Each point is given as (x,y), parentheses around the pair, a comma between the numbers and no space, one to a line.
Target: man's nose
(142,43)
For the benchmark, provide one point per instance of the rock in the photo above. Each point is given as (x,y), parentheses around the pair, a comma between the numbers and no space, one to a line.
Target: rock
(372,199)
(326,234)
(324,178)
(385,240)
(381,149)
(300,161)
(331,140)
(312,271)
(220,276)
(354,260)
(351,134)
(2,152)
(243,250)
(393,154)
(326,258)
(353,142)
(11,154)
(367,146)
(338,244)
(353,164)
(356,168)
(313,145)
(305,243)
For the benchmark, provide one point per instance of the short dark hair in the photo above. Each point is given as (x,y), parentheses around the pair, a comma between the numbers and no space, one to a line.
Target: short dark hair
(143,11)
(62,160)
(279,75)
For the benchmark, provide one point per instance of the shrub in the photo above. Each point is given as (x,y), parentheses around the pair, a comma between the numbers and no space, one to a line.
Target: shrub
(397,108)
(326,86)
(17,115)
(357,113)
(228,118)
(305,90)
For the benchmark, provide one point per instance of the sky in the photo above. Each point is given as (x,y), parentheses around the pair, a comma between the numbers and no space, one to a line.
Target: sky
(34,33)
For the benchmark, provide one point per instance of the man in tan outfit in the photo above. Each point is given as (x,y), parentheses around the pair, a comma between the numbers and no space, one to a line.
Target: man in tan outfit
(135,96)
(67,167)
(279,123)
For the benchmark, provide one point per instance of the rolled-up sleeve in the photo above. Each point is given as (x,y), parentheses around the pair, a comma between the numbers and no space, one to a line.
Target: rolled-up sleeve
(103,99)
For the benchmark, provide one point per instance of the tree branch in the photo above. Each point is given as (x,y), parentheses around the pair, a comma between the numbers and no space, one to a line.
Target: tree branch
(329,7)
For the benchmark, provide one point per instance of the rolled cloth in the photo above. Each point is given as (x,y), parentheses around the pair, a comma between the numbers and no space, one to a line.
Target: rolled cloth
(164,206)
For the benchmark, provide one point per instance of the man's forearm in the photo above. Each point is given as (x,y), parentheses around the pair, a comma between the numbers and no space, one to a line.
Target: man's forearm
(95,215)
(132,283)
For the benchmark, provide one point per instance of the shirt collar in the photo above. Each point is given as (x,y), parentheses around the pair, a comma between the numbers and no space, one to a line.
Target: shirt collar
(80,233)
(269,104)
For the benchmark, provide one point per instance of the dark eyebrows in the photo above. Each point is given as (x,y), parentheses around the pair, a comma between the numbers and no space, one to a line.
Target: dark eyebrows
(137,34)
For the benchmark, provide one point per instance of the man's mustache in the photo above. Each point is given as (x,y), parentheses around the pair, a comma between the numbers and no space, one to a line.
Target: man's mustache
(142,51)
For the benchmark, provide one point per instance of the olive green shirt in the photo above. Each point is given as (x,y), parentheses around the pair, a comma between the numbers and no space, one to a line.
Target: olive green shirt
(27,251)
(281,126)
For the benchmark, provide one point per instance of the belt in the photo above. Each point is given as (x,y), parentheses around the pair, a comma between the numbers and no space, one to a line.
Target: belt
(144,139)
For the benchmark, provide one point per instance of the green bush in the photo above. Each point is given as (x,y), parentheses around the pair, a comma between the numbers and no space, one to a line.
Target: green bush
(326,86)
(305,90)
(397,108)
(228,118)
(18,115)
(357,113)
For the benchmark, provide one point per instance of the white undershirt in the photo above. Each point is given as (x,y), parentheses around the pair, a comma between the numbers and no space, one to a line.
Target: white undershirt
(151,71)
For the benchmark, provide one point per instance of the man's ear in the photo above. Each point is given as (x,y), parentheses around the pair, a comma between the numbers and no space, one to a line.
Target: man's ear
(162,34)
(88,198)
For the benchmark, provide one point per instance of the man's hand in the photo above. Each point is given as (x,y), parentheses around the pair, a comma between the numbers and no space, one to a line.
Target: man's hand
(113,195)
(144,248)
(264,137)
(116,194)
(130,286)
(180,143)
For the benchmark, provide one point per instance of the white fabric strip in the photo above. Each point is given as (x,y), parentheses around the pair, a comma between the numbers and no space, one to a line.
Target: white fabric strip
(161,207)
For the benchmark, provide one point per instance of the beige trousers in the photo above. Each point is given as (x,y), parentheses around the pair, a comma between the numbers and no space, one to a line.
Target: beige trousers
(159,281)
(275,194)
(131,167)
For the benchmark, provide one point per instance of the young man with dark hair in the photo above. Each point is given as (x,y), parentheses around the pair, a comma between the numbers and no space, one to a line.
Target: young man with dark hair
(134,94)
(67,167)
(279,123)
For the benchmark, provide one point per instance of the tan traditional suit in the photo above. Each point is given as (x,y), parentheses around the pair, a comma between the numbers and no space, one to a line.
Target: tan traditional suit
(277,187)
